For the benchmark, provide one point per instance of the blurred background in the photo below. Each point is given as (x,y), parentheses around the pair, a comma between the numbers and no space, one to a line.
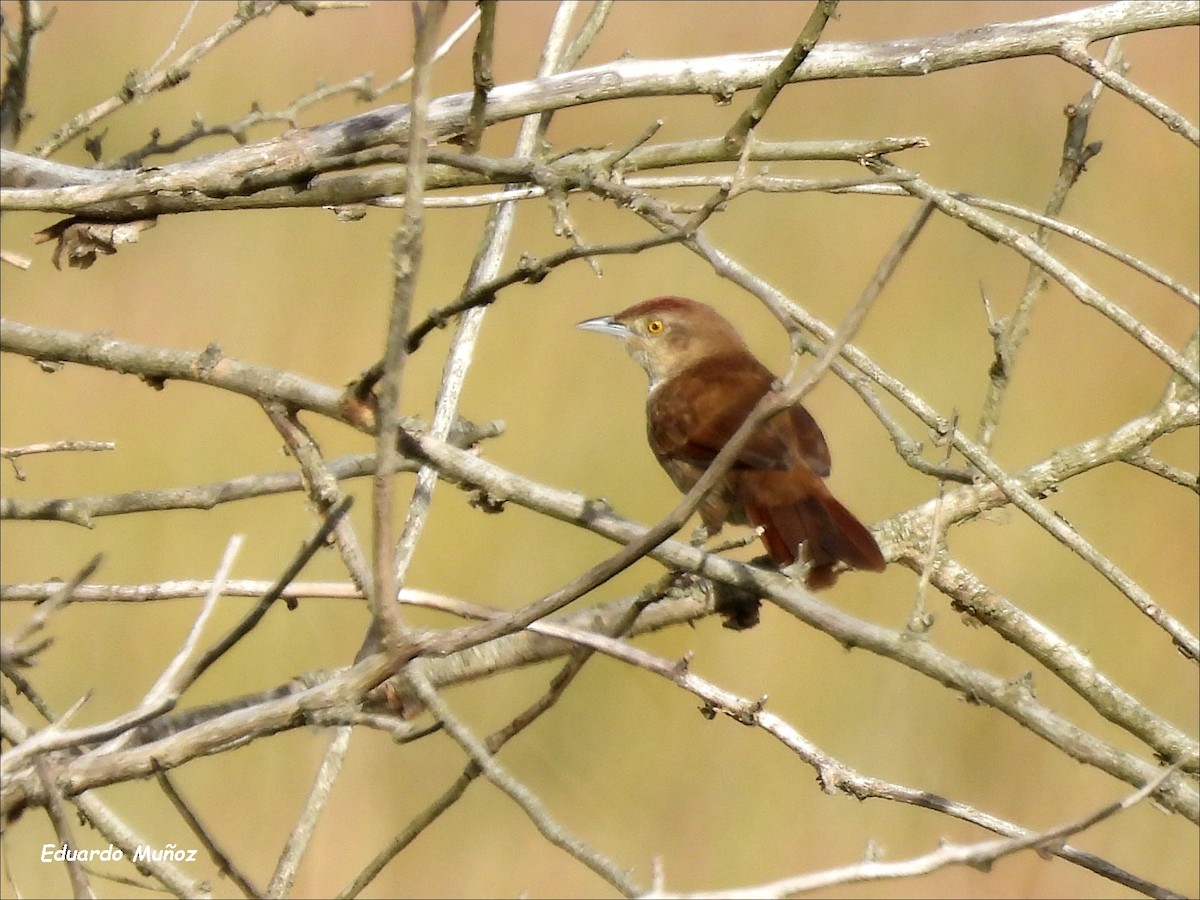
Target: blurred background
(624,760)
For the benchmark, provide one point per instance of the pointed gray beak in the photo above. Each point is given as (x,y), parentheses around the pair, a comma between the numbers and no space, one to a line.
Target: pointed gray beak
(605,325)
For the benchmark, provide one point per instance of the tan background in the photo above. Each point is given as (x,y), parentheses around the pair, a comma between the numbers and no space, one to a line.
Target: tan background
(624,761)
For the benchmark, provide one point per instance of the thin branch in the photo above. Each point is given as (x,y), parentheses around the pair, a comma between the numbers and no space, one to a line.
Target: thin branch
(284,876)
(530,270)
(577,657)
(588,32)
(719,76)
(834,775)
(331,181)
(160,698)
(178,676)
(170,48)
(1028,248)
(94,769)
(481,70)
(56,447)
(359,87)
(1009,339)
(406,264)
(822,12)
(1073,667)
(981,856)
(1078,234)
(521,795)
(59,598)
(139,86)
(252,618)
(321,485)
(1142,459)
(82,510)
(494,240)
(56,810)
(1075,52)
(225,865)
(13,112)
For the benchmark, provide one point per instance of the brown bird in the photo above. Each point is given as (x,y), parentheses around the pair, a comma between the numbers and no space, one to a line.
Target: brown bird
(704,381)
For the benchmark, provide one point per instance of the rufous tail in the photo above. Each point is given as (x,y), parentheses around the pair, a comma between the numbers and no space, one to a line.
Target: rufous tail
(829,532)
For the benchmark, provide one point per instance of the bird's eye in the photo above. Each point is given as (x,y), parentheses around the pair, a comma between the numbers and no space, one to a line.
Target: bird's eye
(654,326)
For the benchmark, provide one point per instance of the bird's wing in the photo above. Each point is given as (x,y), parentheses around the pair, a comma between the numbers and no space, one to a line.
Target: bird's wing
(692,415)
(810,442)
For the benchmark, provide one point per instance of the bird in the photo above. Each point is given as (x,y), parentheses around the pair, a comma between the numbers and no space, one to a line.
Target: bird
(703,383)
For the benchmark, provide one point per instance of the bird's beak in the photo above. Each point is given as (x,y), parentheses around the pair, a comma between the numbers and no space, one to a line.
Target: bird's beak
(605,325)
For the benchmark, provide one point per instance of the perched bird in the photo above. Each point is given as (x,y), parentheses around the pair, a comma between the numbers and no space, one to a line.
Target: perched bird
(704,381)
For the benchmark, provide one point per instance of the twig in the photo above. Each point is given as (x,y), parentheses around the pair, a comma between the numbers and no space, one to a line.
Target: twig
(621,153)
(56,810)
(321,485)
(62,595)
(832,774)
(907,449)
(1028,248)
(298,840)
(160,698)
(252,618)
(14,453)
(919,620)
(140,86)
(495,236)
(481,71)
(406,264)
(225,865)
(56,447)
(682,603)
(1009,339)
(1142,459)
(170,48)
(565,58)
(1073,667)
(359,87)
(1078,234)
(81,510)
(782,74)
(1075,52)
(529,270)
(520,794)
(586,36)
(494,742)
(979,856)
(13,114)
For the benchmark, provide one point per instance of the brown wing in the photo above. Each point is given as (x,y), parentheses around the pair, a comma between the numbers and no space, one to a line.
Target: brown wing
(694,414)
(810,442)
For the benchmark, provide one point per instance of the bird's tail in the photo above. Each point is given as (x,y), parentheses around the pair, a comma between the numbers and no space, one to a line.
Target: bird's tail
(829,532)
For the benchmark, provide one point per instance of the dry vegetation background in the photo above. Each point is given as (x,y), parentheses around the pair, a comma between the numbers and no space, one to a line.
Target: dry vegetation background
(624,760)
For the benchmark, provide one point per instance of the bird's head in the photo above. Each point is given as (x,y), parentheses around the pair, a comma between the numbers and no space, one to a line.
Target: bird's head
(668,335)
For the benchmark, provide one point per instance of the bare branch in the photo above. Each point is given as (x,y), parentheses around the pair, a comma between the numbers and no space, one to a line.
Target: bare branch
(406,264)
(520,794)
(138,86)
(1008,340)
(822,12)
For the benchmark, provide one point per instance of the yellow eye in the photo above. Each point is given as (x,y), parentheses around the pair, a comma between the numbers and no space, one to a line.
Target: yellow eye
(654,326)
